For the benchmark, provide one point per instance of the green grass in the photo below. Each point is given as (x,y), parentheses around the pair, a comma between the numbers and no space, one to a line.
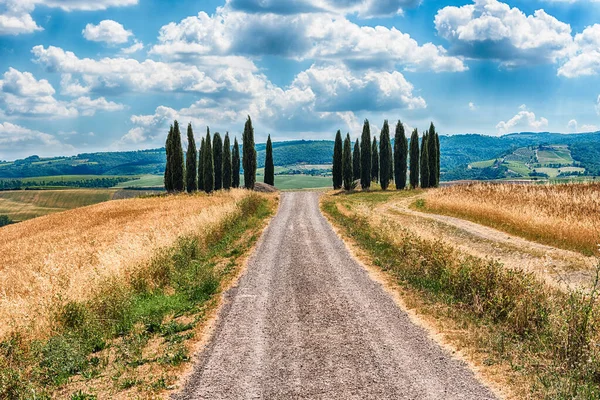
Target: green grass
(483,164)
(111,332)
(21,205)
(144,181)
(542,336)
(67,178)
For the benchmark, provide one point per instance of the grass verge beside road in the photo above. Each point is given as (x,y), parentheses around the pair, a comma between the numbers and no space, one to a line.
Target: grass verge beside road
(533,340)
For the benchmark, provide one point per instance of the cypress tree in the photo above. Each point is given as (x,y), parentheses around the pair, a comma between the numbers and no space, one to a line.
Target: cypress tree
(347,167)
(400,156)
(235,165)
(356,161)
(249,152)
(438,156)
(227,162)
(209,171)
(337,161)
(432,152)
(385,156)
(178,168)
(374,161)
(218,160)
(168,167)
(414,159)
(191,162)
(269,167)
(365,156)
(425,161)
(201,166)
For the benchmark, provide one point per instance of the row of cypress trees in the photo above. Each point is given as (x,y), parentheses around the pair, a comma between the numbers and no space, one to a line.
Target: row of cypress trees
(216,166)
(370,162)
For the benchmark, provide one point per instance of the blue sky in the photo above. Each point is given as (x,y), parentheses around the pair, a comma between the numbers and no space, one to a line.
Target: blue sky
(82,75)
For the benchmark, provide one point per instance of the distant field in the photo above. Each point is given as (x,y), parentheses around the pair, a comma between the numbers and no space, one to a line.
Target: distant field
(21,205)
(144,181)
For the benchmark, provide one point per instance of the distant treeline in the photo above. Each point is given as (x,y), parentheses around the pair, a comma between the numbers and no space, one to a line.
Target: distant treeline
(17,184)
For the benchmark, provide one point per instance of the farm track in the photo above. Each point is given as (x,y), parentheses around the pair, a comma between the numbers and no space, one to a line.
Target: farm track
(307,321)
(558,267)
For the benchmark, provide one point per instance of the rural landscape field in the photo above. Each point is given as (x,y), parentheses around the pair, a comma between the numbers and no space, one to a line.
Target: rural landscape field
(308,199)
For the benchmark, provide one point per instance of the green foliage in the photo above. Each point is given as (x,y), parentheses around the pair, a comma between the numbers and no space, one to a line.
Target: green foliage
(5,220)
(424,161)
(400,156)
(385,156)
(269,167)
(249,152)
(191,162)
(227,162)
(76,181)
(235,165)
(337,161)
(588,156)
(208,166)
(347,172)
(218,160)
(356,161)
(374,161)
(365,156)
(432,156)
(169,163)
(414,159)
(201,165)
(177,163)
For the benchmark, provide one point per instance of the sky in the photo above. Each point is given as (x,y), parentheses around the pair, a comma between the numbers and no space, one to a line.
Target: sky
(109,75)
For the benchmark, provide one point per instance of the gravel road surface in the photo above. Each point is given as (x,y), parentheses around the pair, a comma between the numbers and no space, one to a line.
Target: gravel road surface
(307,321)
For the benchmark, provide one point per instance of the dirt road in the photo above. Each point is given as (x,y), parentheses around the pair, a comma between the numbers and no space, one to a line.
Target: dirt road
(306,321)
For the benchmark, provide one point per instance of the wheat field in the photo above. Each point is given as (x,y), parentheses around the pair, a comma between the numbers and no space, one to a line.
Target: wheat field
(61,257)
(562,215)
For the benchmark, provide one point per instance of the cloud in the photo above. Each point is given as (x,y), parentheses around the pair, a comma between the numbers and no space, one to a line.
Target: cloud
(222,76)
(15,15)
(137,46)
(589,128)
(598,105)
(472,106)
(107,31)
(364,8)
(17,141)
(300,37)
(574,128)
(22,95)
(491,30)
(524,119)
(572,125)
(585,58)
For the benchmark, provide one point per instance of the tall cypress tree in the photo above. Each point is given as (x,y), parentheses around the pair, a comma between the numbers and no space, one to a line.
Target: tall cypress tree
(365,156)
(218,160)
(439,152)
(432,152)
(374,161)
(347,167)
(235,165)
(201,166)
(191,162)
(209,171)
(269,167)
(356,161)
(385,156)
(425,161)
(168,167)
(414,159)
(400,156)
(178,168)
(249,160)
(337,161)
(227,176)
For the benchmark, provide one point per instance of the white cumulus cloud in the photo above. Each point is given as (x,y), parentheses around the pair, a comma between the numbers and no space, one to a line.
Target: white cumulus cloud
(107,31)
(524,119)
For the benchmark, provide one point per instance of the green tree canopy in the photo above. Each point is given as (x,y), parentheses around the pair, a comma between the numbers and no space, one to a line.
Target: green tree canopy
(365,156)
(337,161)
(400,156)
(191,162)
(227,174)
(269,167)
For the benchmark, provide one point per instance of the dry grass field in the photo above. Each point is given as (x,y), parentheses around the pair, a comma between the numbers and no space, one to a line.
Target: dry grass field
(563,215)
(63,257)
(22,205)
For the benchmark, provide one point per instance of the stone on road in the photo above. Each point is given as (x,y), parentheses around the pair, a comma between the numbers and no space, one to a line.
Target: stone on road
(307,321)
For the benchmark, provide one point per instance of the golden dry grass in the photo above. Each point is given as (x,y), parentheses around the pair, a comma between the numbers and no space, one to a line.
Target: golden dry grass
(62,257)
(565,215)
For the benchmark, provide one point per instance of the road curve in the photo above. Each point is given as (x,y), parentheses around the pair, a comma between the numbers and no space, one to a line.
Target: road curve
(307,321)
